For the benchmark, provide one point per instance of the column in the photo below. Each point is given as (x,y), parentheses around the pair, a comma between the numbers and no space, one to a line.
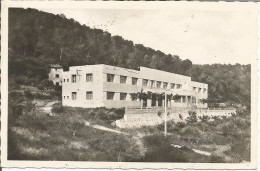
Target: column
(163,104)
(149,103)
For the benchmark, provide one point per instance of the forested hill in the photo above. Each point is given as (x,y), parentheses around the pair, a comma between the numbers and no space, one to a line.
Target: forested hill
(37,39)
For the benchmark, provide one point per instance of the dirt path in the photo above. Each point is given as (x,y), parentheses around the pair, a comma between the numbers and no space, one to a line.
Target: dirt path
(48,106)
(104,128)
(119,132)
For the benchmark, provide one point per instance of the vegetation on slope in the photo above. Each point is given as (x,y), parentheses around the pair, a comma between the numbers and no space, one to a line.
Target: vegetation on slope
(37,39)
(36,135)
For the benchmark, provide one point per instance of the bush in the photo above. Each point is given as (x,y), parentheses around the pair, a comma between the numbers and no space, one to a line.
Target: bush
(216,159)
(241,123)
(34,121)
(57,109)
(180,124)
(22,80)
(170,126)
(118,147)
(204,118)
(45,83)
(227,128)
(242,112)
(28,94)
(191,131)
(116,114)
(192,118)
(159,149)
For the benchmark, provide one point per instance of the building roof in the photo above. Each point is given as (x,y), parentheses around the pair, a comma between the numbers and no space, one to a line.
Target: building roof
(55,66)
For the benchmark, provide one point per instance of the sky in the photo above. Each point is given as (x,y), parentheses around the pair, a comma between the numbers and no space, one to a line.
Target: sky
(204,36)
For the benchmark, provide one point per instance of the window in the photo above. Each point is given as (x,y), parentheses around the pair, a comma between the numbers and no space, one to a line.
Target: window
(57,75)
(122,79)
(89,95)
(68,80)
(194,88)
(57,84)
(165,85)
(123,96)
(74,95)
(73,78)
(64,80)
(134,81)
(178,99)
(172,86)
(110,95)
(178,86)
(67,97)
(110,77)
(89,77)
(145,82)
(199,90)
(64,97)
(152,84)
(158,84)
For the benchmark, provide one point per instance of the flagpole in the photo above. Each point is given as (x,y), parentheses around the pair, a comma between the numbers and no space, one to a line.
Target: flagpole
(165,123)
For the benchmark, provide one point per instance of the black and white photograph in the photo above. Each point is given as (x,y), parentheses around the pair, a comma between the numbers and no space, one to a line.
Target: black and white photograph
(129,85)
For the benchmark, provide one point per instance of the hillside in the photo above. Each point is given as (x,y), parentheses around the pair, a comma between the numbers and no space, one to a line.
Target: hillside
(37,39)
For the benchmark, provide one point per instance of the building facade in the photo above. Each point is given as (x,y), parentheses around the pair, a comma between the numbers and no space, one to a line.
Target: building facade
(55,74)
(109,86)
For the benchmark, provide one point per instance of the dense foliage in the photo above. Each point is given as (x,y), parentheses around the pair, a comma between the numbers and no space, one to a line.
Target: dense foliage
(37,39)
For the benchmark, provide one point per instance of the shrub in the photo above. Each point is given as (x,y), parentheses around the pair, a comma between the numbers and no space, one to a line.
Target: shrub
(116,114)
(242,112)
(204,118)
(28,94)
(180,116)
(57,109)
(227,128)
(22,80)
(34,121)
(191,131)
(241,123)
(45,83)
(159,149)
(170,126)
(72,125)
(180,124)
(216,159)
(15,112)
(118,147)
(192,118)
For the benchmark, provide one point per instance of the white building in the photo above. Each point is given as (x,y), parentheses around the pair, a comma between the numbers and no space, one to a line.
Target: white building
(55,74)
(108,86)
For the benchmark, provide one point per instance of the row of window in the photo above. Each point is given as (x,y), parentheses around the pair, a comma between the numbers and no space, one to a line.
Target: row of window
(89,96)
(89,78)
(145,82)
(111,95)
(199,89)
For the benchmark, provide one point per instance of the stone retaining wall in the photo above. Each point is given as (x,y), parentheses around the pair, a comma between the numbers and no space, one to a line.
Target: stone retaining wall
(149,117)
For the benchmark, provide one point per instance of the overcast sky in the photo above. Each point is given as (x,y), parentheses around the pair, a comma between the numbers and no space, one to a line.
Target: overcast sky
(207,36)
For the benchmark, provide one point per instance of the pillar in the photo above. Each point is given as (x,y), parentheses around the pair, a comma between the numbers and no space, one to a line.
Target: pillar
(163,103)
(149,102)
